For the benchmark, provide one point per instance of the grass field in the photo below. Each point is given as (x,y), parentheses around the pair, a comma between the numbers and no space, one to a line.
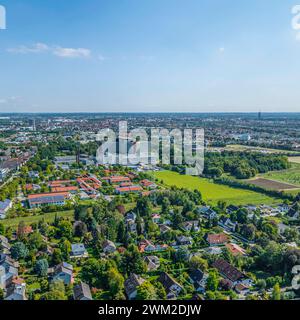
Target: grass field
(294,159)
(291,175)
(48,217)
(212,192)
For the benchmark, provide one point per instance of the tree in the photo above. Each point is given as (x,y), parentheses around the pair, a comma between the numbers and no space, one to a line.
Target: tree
(94,272)
(115,281)
(57,256)
(21,231)
(1,294)
(146,291)
(197,262)
(212,281)
(41,267)
(121,232)
(132,260)
(80,229)
(276,295)
(35,240)
(57,291)
(2,229)
(19,251)
(165,205)
(65,229)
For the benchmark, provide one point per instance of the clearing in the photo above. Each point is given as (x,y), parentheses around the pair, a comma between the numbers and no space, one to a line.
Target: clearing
(212,192)
(48,217)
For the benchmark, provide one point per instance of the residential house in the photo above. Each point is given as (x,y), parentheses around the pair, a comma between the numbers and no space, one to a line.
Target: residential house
(8,270)
(231,208)
(217,239)
(172,287)
(156,218)
(4,245)
(294,211)
(108,247)
(16,291)
(191,225)
(164,228)
(183,241)
(198,279)
(4,207)
(78,250)
(227,224)
(208,213)
(147,246)
(82,292)
(230,272)
(131,285)
(63,272)
(152,263)
(235,249)
(148,184)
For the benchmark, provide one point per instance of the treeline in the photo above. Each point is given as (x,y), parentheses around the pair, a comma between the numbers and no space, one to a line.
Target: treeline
(66,146)
(242,165)
(252,187)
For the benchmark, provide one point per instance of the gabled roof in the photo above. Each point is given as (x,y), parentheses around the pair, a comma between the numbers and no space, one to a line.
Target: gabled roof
(219,238)
(167,281)
(227,270)
(82,290)
(196,275)
(132,283)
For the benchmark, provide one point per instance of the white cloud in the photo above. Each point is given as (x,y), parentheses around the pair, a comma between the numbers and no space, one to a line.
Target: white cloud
(55,50)
(71,52)
(221,50)
(36,48)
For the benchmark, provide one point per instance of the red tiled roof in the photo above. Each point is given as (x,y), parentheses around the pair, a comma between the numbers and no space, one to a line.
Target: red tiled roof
(129,189)
(219,238)
(50,194)
(64,189)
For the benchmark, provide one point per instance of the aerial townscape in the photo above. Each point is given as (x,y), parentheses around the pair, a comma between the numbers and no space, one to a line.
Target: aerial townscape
(72,228)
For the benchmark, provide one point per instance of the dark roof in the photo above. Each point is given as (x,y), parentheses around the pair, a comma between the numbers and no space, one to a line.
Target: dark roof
(132,283)
(196,275)
(227,270)
(167,281)
(82,290)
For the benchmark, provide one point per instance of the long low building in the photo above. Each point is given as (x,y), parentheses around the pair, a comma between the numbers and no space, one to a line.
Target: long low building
(122,190)
(44,199)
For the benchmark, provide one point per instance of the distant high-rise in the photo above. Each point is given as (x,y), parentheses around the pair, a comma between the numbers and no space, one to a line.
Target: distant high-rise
(33,127)
(259,115)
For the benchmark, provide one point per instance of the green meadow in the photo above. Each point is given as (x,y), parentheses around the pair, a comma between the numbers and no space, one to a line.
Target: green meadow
(48,217)
(212,192)
(291,175)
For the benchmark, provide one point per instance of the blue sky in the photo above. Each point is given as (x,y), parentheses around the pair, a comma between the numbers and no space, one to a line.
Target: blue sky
(149,55)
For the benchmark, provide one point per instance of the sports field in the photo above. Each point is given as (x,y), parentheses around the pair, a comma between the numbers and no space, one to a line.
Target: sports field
(213,192)
(48,217)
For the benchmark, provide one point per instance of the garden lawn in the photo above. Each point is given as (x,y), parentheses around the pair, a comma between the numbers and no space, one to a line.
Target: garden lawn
(212,192)
(48,217)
